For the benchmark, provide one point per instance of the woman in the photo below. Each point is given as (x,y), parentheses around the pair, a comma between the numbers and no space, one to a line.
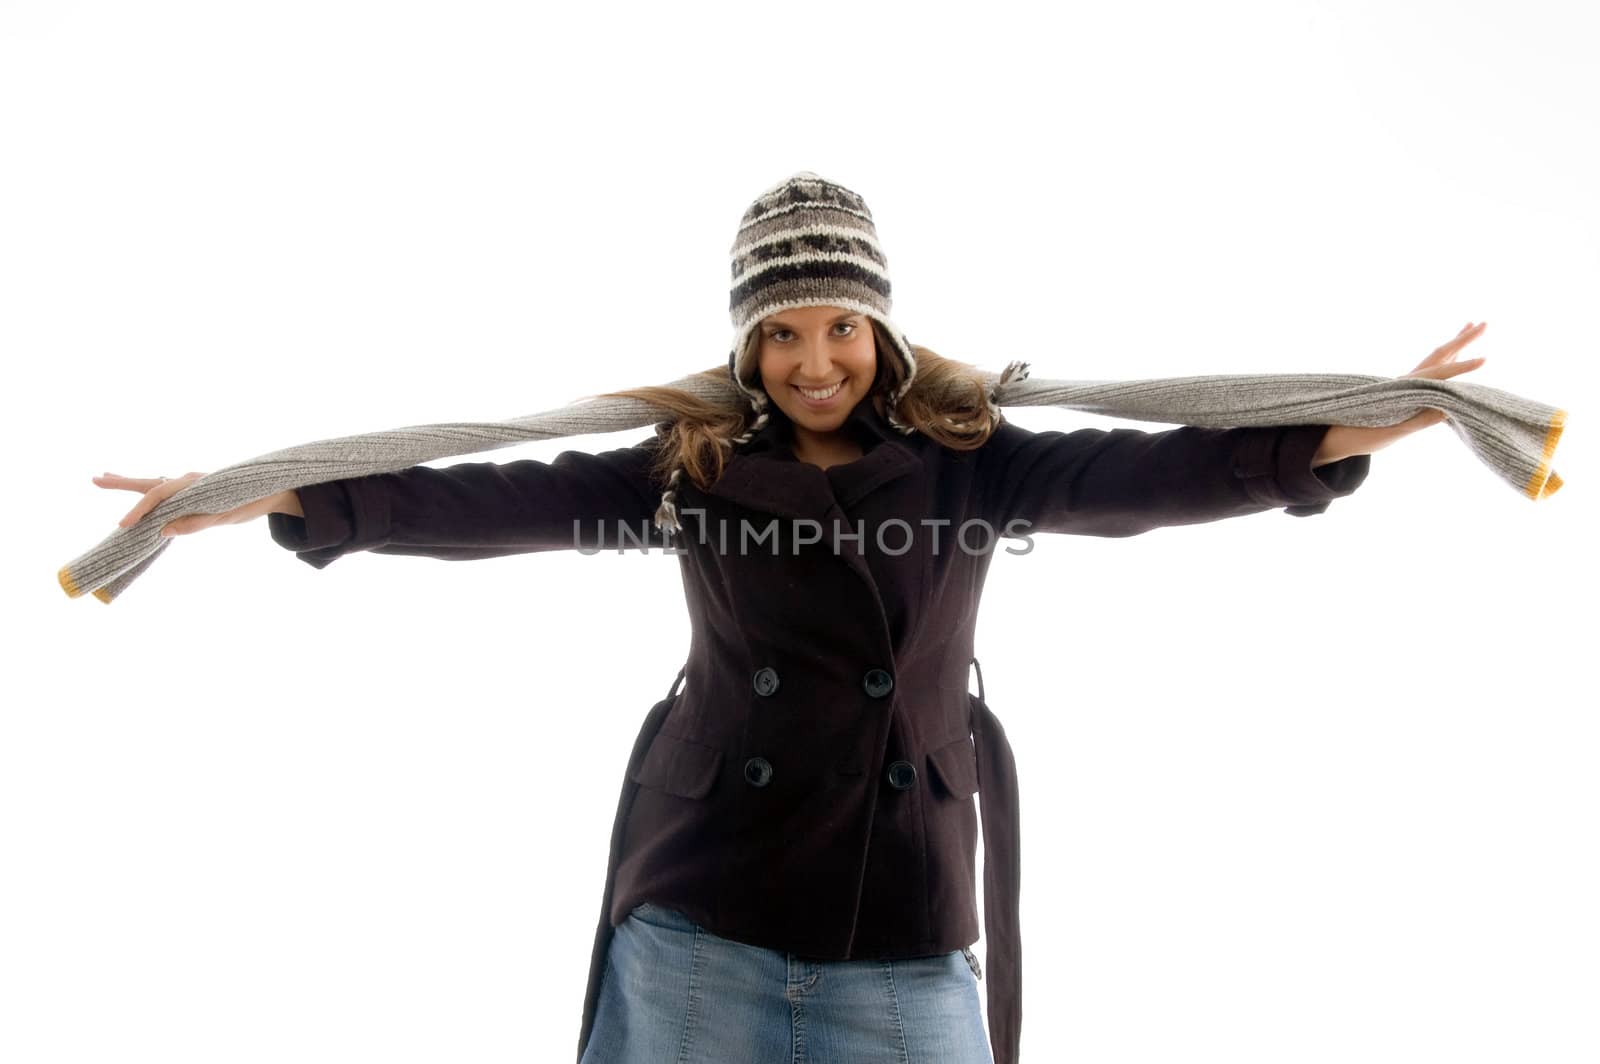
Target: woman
(791,874)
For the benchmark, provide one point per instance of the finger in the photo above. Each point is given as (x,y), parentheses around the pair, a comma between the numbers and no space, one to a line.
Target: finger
(159,492)
(1440,355)
(1445,372)
(1457,350)
(1433,362)
(1445,352)
(1466,336)
(139,509)
(130,483)
(143,487)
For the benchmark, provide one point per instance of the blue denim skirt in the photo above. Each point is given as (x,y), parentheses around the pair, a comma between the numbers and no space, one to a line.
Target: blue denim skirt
(674,993)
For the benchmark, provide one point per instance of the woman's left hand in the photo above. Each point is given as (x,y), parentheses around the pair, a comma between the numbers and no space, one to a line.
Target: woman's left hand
(1343,441)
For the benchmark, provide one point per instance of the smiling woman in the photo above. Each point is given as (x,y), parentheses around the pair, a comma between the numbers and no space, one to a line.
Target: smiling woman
(845,688)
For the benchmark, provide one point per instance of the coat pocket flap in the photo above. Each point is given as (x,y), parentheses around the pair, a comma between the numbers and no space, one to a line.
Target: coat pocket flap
(678,766)
(956,765)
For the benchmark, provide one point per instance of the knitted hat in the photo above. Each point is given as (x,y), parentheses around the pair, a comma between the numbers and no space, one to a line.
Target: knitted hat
(804,242)
(808,242)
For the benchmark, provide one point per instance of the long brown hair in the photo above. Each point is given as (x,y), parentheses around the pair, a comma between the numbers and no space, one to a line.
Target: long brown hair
(947,400)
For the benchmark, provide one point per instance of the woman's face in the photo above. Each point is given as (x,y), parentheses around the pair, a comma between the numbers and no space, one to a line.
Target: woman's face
(817,363)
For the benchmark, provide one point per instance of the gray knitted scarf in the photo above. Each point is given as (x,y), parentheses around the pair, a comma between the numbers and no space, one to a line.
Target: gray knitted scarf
(1513,436)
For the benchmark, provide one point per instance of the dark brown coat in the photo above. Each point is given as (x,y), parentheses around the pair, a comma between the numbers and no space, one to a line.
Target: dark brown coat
(810,787)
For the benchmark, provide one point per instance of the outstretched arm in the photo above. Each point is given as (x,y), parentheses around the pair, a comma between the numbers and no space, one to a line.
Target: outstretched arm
(1124,481)
(478,510)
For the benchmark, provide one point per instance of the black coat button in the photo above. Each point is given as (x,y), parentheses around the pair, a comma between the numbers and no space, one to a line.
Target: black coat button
(877,682)
(766,681)
(758,771)
(902,775)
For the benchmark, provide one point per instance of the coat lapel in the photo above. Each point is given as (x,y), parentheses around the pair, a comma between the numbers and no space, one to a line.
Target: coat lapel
(763,473)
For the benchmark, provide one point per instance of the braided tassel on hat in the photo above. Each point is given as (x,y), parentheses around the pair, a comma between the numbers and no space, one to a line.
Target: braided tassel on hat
(1014,371)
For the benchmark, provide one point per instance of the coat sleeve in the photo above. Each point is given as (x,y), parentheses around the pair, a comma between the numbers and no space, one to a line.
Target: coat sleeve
(1124,481)
(481,509)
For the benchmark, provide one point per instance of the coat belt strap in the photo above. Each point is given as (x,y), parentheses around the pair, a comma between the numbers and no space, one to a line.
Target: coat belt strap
(1002,880)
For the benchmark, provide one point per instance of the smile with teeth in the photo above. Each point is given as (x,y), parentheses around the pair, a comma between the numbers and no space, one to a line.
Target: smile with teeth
(819,394)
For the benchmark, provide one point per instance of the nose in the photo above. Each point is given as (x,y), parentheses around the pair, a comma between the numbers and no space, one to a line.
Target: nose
(816,363)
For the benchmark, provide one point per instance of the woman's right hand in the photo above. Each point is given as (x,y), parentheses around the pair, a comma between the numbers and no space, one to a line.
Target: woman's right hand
(157,490)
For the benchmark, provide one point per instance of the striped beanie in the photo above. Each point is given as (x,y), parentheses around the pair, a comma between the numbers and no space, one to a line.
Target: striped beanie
(804,242)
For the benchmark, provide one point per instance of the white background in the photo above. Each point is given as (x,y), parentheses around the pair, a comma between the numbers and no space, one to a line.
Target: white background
(1293,789)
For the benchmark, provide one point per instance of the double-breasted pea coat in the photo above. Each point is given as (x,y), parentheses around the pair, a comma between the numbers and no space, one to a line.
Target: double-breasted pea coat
(807,784)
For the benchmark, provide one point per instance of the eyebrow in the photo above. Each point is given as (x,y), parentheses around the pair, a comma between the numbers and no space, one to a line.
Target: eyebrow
(778,323)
